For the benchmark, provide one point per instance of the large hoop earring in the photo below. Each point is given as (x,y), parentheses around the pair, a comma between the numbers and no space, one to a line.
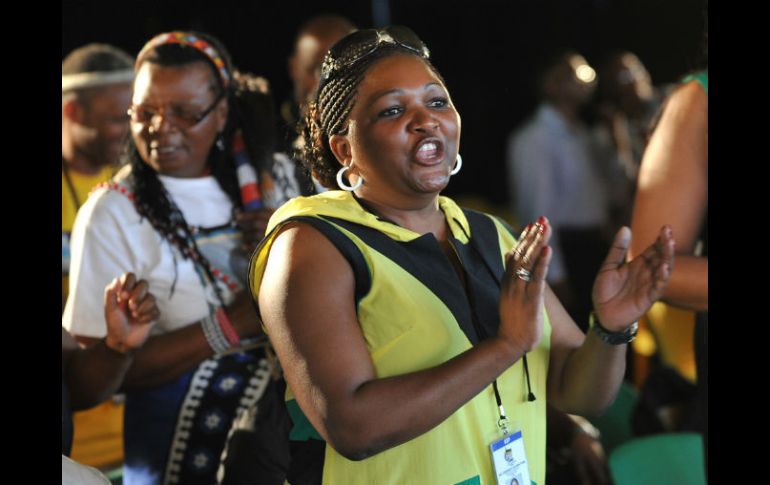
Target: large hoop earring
(341,182)
(458,165)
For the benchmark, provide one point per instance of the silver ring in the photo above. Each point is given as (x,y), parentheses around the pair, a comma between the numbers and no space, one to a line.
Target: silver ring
(523,274)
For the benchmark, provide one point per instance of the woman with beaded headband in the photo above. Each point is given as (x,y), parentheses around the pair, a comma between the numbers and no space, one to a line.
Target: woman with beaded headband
(192,200)
(413,334)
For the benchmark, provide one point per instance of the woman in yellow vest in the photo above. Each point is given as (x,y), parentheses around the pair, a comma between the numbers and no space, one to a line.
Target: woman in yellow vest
(419,339)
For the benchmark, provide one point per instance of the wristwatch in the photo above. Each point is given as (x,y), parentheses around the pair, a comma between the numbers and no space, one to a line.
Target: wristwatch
(613,338)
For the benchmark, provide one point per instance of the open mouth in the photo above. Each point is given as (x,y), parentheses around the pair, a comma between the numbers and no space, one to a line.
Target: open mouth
(430,152)
(163,150)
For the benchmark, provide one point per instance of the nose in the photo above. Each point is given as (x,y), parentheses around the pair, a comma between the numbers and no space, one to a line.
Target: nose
(423,121)
(159,121)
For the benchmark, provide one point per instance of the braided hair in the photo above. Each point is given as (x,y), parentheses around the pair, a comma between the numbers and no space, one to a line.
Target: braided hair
(328,114)
(251,112)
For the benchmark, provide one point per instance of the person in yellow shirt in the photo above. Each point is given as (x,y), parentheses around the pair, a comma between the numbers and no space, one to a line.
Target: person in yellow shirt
(96,93)
(407,327)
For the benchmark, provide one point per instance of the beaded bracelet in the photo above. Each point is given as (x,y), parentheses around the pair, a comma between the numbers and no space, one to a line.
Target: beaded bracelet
(227,327)
(214,335)
(220,332)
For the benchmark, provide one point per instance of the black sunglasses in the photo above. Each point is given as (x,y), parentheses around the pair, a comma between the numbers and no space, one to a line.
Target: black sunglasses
(363,43)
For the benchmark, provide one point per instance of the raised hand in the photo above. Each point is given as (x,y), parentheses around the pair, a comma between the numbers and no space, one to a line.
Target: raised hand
(622,291)
(130,311)
(523,286)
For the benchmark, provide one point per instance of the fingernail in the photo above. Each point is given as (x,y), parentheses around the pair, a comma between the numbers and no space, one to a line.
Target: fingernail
(541,220)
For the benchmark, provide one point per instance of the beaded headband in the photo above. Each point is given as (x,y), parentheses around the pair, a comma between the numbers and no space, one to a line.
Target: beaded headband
(190,40)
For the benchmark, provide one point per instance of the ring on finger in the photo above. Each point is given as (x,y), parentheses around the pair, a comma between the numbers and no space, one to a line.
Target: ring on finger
(523,274)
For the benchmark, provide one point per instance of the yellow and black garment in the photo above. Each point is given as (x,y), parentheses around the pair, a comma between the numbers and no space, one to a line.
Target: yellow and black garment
(415,314)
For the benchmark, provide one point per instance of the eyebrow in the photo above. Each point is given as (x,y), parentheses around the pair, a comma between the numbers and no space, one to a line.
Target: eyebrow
(377,96)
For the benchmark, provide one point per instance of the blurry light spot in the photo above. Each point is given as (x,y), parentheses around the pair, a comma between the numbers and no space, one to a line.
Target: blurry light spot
(585,73)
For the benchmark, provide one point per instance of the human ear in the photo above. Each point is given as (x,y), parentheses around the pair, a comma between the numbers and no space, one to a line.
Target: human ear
(340,147)
(73,111)
(221,112)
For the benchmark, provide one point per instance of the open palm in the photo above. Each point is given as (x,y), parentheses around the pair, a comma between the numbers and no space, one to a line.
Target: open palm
(623,292)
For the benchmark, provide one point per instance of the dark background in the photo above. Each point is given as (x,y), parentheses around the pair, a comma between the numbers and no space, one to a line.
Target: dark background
(485,49)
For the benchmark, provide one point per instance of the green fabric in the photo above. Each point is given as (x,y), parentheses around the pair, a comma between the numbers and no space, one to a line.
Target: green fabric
(615,424)
(702,77)
(407,328)
(664,458)
(302,429)
(471,481)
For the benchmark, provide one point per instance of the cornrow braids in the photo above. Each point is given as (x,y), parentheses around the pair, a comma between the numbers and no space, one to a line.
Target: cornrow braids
(328,115)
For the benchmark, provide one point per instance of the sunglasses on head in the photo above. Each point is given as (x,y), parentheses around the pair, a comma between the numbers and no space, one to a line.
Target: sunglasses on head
(362,43)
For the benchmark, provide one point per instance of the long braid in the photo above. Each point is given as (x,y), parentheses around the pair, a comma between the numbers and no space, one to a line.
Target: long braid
(154,203)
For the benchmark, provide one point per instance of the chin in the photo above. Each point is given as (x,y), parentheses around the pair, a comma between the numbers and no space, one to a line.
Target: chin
(436,183)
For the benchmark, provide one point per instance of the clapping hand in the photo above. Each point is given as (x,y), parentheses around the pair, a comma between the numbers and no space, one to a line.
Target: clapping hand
(624,291)
(130,311)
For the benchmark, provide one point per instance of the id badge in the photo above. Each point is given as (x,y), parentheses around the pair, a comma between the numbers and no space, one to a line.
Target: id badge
(511,467)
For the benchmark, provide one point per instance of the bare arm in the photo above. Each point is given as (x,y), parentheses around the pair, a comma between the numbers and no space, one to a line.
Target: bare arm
(306,299)
(584,372)
(673,189)
(93,374)
(164,357)
(102,247)
(168,356)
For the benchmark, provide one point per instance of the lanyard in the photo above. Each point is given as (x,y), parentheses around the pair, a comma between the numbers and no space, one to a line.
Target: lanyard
(74,195)
(503,421)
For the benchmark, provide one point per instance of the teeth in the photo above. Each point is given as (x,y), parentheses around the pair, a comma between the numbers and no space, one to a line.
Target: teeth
(430,146)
